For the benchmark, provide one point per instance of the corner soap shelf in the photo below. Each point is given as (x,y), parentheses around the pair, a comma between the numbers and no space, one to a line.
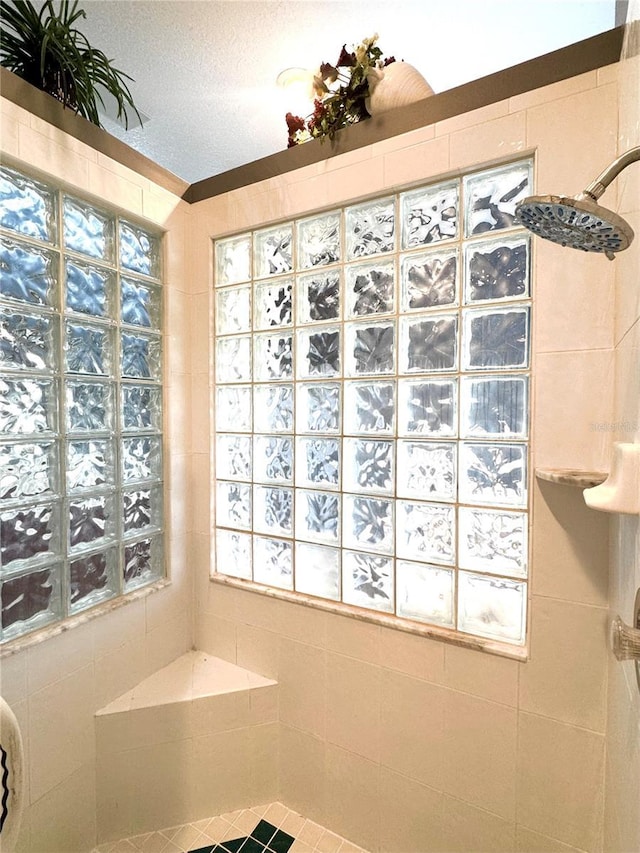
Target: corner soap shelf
(572,477)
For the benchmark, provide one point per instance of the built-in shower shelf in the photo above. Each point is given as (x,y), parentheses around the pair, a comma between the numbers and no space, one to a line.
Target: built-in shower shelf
(572,477)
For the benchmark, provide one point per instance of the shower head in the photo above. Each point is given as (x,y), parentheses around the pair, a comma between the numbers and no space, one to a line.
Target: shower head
(580,222)
(575,222)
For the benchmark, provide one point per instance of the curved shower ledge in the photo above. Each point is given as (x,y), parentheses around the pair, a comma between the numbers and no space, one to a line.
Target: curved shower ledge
(572,477)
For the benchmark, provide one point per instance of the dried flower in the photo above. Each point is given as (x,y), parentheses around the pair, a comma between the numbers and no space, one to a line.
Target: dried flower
(341,91)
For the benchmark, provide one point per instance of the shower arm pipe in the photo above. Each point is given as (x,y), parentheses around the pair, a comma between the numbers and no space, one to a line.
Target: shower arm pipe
(597,187)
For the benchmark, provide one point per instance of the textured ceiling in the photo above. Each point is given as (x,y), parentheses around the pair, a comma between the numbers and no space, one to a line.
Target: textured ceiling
(205,71)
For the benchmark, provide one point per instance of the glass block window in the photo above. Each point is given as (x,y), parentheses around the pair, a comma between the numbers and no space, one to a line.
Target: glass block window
(372,405)
(81,486)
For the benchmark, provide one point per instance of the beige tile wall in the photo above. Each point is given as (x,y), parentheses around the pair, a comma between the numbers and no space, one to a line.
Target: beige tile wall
(406,744)
(57,685)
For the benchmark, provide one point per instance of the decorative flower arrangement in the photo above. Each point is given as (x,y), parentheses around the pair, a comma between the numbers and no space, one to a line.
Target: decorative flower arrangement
(340,93)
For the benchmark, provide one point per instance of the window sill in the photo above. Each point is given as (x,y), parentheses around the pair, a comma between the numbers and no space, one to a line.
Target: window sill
(419,629)
(48,631)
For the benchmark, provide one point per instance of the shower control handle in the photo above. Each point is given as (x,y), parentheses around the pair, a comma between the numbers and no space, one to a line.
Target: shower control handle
(625,640)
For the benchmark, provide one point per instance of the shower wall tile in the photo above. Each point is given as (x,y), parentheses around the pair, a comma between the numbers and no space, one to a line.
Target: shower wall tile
(480,747)
(412,655)
(354,638)
(467,828)
(528,841)
(217,637)
(573,394)
(416,163)
(413,815)
(119,670)
(628,294)
(13,679)
(117,191)
(303,694)
(363,179)
(565,676)
(50,157)
(572,147)
(608,74)
(65,708)
(486,676)
(353,705)
(482,115)
(503,137)
(51,826)
(302,773)
(560,790)
(58,657)
(555,91)
(258,650)
(570,546)
(350,782)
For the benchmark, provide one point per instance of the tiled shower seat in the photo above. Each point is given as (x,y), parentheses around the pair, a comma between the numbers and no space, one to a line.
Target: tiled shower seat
(196,738)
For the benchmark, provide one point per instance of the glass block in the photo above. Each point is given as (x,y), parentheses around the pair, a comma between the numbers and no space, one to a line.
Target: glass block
(273,563)
(92,521)
(92,580)
(273,357)
(139,250)
(233,505)
(317,516)
(233,457)
(370,289)
(367,581)
(140,304)
(89,464)
(27,206)
(370,348)
(273,407)
(31,601)
(272,304)
(491,197)
(492,607)
(140,357)
(318,462)
(233,409)
(27,406)
(370,228)
(233,260)
(368,523)
(492,541)
(318,407)
(29,534)
(89,406)
(429,215)
(143,562)
(233,310)
(29,274)
(368,465)
(318,570)
(272,459)
(273,510)
(28,470)
(429,344)
(233,553)
(272,251)
(498,338)
(319,241)
(426,532)
(318,352)
(369,407)
(318,297)
(427,470)
(87,230)
(141,407)
(27,341)
(88,349)
(233,359)
(141,459)
(493,474)
(425,593)
(142,509)
(429,280)
(427,408)
(498,269)
(88,289)
(494,407)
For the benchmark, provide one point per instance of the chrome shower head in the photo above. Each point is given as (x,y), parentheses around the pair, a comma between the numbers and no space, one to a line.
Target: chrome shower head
(580,222)
(575,222)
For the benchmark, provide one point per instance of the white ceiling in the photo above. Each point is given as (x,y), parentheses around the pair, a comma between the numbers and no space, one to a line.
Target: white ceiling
(205,71)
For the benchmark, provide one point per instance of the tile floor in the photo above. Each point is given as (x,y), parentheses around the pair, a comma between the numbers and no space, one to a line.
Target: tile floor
(261,829)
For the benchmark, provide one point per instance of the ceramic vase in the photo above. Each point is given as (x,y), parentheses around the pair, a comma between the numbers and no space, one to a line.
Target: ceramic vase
(394,86)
